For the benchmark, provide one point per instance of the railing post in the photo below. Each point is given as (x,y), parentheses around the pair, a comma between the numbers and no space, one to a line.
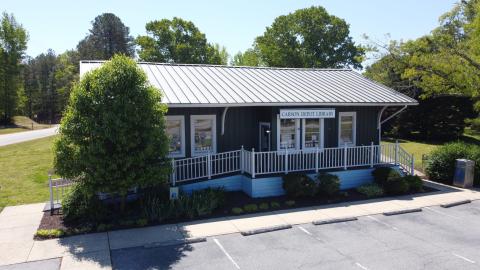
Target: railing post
(174,174)
(396,152)
(286,161)
(253,162)
(412,168)
(345,157)
(316,159)
(242,167)
(50,186)
(209,166)
(371,154)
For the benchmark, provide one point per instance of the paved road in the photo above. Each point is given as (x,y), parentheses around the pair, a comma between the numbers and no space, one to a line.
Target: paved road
(435,238)
(27,136)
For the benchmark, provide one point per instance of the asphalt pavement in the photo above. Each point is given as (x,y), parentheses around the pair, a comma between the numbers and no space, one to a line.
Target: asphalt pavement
(436,238)
(27,135)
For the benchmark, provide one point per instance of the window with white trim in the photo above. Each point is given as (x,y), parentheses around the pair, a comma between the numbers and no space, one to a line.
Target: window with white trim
(175,127)
(203,134)
(347,122)
(312,133)
(287,135)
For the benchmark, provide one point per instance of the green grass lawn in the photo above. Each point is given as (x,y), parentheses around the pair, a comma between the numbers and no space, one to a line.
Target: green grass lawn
(420,148)
(24,173)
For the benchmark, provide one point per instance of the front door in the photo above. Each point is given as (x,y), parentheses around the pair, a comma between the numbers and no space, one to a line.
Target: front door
(264,136)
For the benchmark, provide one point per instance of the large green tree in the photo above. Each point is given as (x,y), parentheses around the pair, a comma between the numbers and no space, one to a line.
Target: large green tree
(178,41)
(107,37)
(13,43)
(112,136)
(309,38)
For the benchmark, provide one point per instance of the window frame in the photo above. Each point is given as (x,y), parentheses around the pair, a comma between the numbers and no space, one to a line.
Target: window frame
(321,132)
(354,128)
(297,134)
(182,134)
(193,118)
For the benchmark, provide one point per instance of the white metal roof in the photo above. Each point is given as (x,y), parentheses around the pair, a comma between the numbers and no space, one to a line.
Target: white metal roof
(220,86)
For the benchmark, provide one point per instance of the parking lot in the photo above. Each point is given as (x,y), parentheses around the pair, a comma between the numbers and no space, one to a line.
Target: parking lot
(436,238)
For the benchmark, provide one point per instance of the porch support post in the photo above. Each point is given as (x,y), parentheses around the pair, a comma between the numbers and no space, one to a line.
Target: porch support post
(316,160)
(371,154)
(209,166)
(253,162)
(286,161)
(396,152)
(242,167)
(345,157)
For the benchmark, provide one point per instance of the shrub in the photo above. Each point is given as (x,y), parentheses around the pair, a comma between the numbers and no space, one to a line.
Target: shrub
(141,222)
(290,203)
(199,203)
(474,123)
(48,234)
(441,166)
(112,135)
(299,185)
(371,190)
(275,204)
(263,206)
(381,174)
(328,184)
(250,208)
(396,186)
(237,211)
(82,206)
(415,183)
(104,227)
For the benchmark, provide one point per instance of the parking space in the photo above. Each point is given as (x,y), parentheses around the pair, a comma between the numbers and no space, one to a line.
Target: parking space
(436,238)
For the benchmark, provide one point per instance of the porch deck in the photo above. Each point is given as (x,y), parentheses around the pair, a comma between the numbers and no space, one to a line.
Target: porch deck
(271,163)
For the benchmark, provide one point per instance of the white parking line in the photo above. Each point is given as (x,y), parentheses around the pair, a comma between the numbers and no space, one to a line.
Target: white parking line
(226,253)
(440,212)
(463,258)
(305,230)
(383,223)
(361,266)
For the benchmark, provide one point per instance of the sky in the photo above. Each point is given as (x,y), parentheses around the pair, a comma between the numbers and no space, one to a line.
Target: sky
(60,24)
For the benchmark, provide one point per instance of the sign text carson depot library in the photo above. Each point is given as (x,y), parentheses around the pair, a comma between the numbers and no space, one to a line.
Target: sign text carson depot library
(307,113)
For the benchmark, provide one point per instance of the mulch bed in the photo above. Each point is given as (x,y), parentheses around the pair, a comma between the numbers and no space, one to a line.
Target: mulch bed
(234,199)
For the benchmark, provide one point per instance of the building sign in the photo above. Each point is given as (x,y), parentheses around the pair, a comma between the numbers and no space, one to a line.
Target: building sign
(307,113)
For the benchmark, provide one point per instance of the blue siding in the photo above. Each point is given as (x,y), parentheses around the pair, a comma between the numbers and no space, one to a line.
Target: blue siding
(272,186)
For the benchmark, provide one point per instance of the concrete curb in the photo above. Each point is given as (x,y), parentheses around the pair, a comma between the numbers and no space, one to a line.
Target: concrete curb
(333,220)
(266,229)
(404,211)
(452,204)
(176,242)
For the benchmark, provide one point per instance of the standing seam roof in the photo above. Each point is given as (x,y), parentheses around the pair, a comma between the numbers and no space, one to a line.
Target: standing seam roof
(219,86)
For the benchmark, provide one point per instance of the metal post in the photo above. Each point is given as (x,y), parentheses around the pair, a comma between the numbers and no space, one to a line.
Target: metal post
(345,157)
(396,152)
(412,168)
(242,167)
(209,166)
(371,154)
(50,185)
(286,161)
(253,162)
(316,159)
(174,175)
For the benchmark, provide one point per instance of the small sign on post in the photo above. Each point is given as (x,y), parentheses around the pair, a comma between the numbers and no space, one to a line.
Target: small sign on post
(173,193)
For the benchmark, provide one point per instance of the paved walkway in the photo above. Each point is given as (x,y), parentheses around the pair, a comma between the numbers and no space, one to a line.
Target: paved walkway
(92,251)
(27,135)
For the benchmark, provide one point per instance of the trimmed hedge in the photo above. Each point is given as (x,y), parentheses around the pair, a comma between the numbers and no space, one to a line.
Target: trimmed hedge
(328,184)
(382,174)
(441,166)
(299,185)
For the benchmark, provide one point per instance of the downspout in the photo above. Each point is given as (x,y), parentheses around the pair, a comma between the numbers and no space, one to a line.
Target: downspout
(224,114)
(380,122)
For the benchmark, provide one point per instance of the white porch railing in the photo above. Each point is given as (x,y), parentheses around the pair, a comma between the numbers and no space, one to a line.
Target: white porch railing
(285,161)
